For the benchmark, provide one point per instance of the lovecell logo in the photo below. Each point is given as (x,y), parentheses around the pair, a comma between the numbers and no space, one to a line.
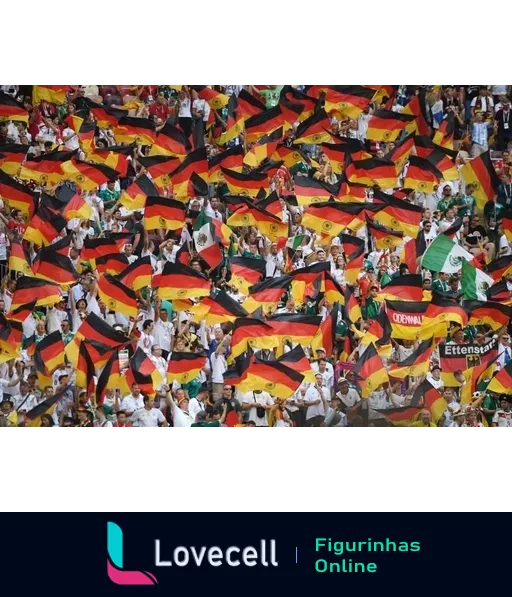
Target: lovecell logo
(115,567)
(264,555)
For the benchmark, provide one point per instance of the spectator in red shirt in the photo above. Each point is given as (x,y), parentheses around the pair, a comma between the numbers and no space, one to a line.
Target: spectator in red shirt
(160,108)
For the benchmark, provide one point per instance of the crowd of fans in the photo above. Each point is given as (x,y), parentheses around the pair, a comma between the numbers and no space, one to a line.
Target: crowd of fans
(335,399)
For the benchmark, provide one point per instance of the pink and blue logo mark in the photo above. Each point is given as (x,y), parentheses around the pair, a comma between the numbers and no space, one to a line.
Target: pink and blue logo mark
(115,567)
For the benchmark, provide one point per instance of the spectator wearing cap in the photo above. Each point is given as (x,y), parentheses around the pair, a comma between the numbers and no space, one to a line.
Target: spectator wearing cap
(203,420)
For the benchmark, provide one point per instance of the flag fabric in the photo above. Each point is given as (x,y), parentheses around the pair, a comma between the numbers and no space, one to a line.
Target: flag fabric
(73,205)
(53,94)
(97,330)
(415,365)
(502,383)
(190,177)
(475,283)
(409,255)
(253,334)
(440,313)
(11,157)
(274,377)
(29,289)
(422,175)
(185,366)
(402,151)
(417,107)
(499,268)
(370,371)
(326,335)
(111,378)
(46,169)
(294,328)
(162,212)
(16,194)
(379,332)
(134,197)
(115,157)
(55,267)
(354,265)
(160,167)
(180,282)
(98,247)
(444,255)
(245,184)
(113,263)
(106,117)
(218,309)
(495,315)
(117,296)
(384,238)
(408,287)
(44,226)
(18,260)
(235,124)
(10,109)
(456,358)
(144,373)
(249,105)
(266,294)
(406,318)
(170,141)
(310,190)
(387,126)
(49,353)
(138,274)
(314,130)
(398,214)
(348,100)
(298,361)
(429,398)
(85,370)
(268,224)
(480,173)
(231,159)
(205,241)
(332,218)
(130,129)
(372,172)
(352,307)
(215,99)
(263,123)
(246,272)
(445,134)
(47,406)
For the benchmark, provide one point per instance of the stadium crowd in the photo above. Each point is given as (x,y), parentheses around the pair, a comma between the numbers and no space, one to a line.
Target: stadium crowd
(257,256)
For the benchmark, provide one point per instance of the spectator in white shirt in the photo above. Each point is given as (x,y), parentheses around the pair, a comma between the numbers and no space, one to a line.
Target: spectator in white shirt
(316,400)
(257,404)
(146,340)
(197,404)
(133,401)
(149,416)
(219,367)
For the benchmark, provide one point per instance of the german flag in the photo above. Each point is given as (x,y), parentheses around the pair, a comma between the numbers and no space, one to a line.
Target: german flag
(495,315)
(249,105)
(271,204)
(185,366)
(386,126)
(309,190)
(402,152)
(291,156)
(404,288)
(44,226)
(499,293)
(53,94)
(180,282)
(134,197)
(246,272)
(384,237)
(379,332)
(264,123)
(295,105)
(439,314)
(406,318)
(333,292)
(352,306)
(352,245)
(10,109)
(110,378)
(231,159)
(296,329)
(354,265)
(215,99)
(349,100)
(218,309)
(308,281)
(455,359)
(88,176)
(98,247)
(371,371)
(480,173)
(17,195)
(269,225)
(49,352)
(374,171)
(182,178)
(398,214)
(499,268)
(234,125)
(502,383)
(170,141)
(76,206)
(117,296)
(33,417)
(85,370)
(145,372)
(106,117)
(160,167)
(266,294)
(162,212)
(115,157)
(47,168)
(410,254)
(336,154)
(415,365)
(273,377)
(417,107)
(445,134)
(427,397)
(422,175)
(113,263)
(298,361)
(18,260)
(130,129)
(245,184)
(326,335)
(331,218)
(263,150)
(11,334)
(444,164)
(51,265)
(252,334)
(86,134)
(96,330)
(11,157)
(138,274)
(314,130)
